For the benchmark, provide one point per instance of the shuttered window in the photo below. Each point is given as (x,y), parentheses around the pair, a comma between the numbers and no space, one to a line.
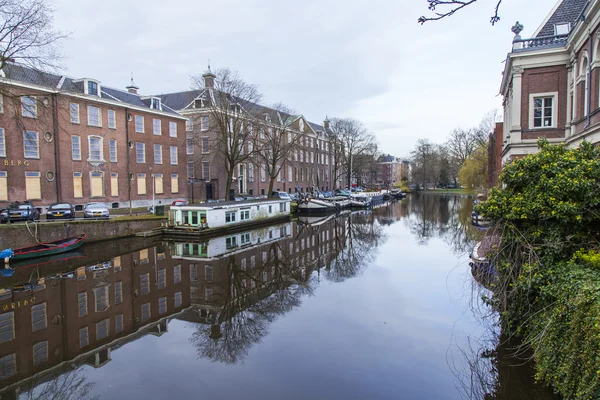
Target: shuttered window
(102,329)
(162,305)
(144,256)
(158,184)
(101,298)
(38,317)
(40,353)
(97,184)
(118,293)
(84,338)
(174,183)
(114,184)
(7,327)
(33,186)
(145,283)
(162,278)
(146,312)
(82,304)
(3,185)
(119,323)
(177,274)
(178,299)
(141,183)
(8,366)
(77,185)
(117,264)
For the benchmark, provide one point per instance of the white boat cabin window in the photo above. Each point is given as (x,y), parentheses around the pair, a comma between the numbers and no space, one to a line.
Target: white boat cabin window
(230,242)
(244,215)
(230,216)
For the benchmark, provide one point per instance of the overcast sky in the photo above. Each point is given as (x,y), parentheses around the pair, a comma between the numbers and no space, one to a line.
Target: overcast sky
(368,60)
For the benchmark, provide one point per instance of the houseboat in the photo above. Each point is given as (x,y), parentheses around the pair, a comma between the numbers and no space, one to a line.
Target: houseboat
(227,213)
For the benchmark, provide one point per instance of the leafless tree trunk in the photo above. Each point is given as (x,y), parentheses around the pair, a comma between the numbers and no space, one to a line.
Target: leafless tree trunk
(276,142)
(27,34)
(354,140)
(232,105)
(449,7)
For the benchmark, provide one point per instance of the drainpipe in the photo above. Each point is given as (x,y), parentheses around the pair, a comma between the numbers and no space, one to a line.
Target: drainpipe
(127,159)
(589,80)
(56,151)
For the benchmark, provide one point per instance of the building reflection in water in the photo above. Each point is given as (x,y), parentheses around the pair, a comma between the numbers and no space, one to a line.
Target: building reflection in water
(231,288)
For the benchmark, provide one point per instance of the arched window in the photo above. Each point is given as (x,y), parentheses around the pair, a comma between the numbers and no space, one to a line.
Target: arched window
(583,74)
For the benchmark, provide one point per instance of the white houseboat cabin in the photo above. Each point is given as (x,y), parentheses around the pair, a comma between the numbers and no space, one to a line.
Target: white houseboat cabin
(224,214)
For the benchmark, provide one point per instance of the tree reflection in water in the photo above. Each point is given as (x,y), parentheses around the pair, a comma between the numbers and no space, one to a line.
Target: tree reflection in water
(71,385)
(251,303)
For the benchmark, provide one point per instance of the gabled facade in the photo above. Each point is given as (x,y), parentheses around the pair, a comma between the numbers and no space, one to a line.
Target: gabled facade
(550,83)
(78,141)
(308,166)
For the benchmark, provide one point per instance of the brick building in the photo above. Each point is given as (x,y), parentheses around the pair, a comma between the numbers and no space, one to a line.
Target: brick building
(495,156)
(76,140)
(310,163)
(550,83)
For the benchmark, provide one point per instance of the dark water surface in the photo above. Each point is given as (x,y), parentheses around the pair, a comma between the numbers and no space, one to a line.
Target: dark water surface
(368,305)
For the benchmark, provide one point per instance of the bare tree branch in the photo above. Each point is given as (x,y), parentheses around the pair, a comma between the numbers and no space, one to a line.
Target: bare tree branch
(450,7)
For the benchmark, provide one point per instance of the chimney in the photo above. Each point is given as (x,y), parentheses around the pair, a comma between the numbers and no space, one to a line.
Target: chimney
(132,88)
(326,123)
(209,78)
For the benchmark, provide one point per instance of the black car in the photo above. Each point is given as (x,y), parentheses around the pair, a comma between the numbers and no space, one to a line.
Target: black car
(23,212)
(4,215)
(60,211)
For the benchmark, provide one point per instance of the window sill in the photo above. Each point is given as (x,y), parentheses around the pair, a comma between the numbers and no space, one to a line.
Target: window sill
(96,161)
(76,122)
(94,126)
(32,158)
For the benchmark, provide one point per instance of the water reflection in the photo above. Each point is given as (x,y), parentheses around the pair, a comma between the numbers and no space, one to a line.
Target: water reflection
(64,317)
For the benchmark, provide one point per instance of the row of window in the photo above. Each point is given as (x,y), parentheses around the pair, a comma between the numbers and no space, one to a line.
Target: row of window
(204,124)
(140,154)
(189,146)
(33,185)
(39,321)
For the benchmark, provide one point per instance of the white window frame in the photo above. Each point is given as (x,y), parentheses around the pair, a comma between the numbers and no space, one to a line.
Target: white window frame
(156,126)
(139,119)
(110,150)
(204,124)
(143,148)
(89,122)
(29,110)
(172,129)
(532,97)
(205,140)
(189,146)
(159,153)
(1,104)
(37,141)
(2,143)
(74,113)
(173,151)
(189,125)
(101,158)
(112,119)
(74,147)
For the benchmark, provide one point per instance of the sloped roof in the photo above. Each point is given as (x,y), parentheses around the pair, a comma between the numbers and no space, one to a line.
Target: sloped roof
(568,11)
(20,73)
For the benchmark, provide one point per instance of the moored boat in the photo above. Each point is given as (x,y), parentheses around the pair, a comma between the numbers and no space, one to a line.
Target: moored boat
(43,249)
(316,205)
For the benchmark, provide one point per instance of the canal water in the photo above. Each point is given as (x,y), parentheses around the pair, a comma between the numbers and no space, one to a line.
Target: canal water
(364,305)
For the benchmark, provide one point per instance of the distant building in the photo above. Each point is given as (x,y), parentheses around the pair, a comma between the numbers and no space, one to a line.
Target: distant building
(550,81)
(495,156)
(310,164)
(391,170)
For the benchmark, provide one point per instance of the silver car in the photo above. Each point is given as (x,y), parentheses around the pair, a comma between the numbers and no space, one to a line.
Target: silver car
(95,210)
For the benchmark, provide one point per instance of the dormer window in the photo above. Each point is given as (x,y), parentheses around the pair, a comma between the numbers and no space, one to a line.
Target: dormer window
(90,86)
(199,103)
(562,29)
(301,123)
(155,103)
(235,108)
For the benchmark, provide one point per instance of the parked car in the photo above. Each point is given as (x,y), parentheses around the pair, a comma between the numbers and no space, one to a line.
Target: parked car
(4,215)
(95,210)
(281,195)
(60,211)
(294,196)
(23,212)
(179,202)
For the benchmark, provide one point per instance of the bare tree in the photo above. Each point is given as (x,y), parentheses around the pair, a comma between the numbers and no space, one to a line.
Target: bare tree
(276,141)
(232,106)
(354,140)
(487,126)
(449,7)
(27,34)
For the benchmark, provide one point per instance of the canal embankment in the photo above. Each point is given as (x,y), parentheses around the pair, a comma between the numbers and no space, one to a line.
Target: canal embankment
(22,234)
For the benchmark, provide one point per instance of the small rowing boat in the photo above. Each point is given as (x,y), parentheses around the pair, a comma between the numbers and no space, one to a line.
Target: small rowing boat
(43,249)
